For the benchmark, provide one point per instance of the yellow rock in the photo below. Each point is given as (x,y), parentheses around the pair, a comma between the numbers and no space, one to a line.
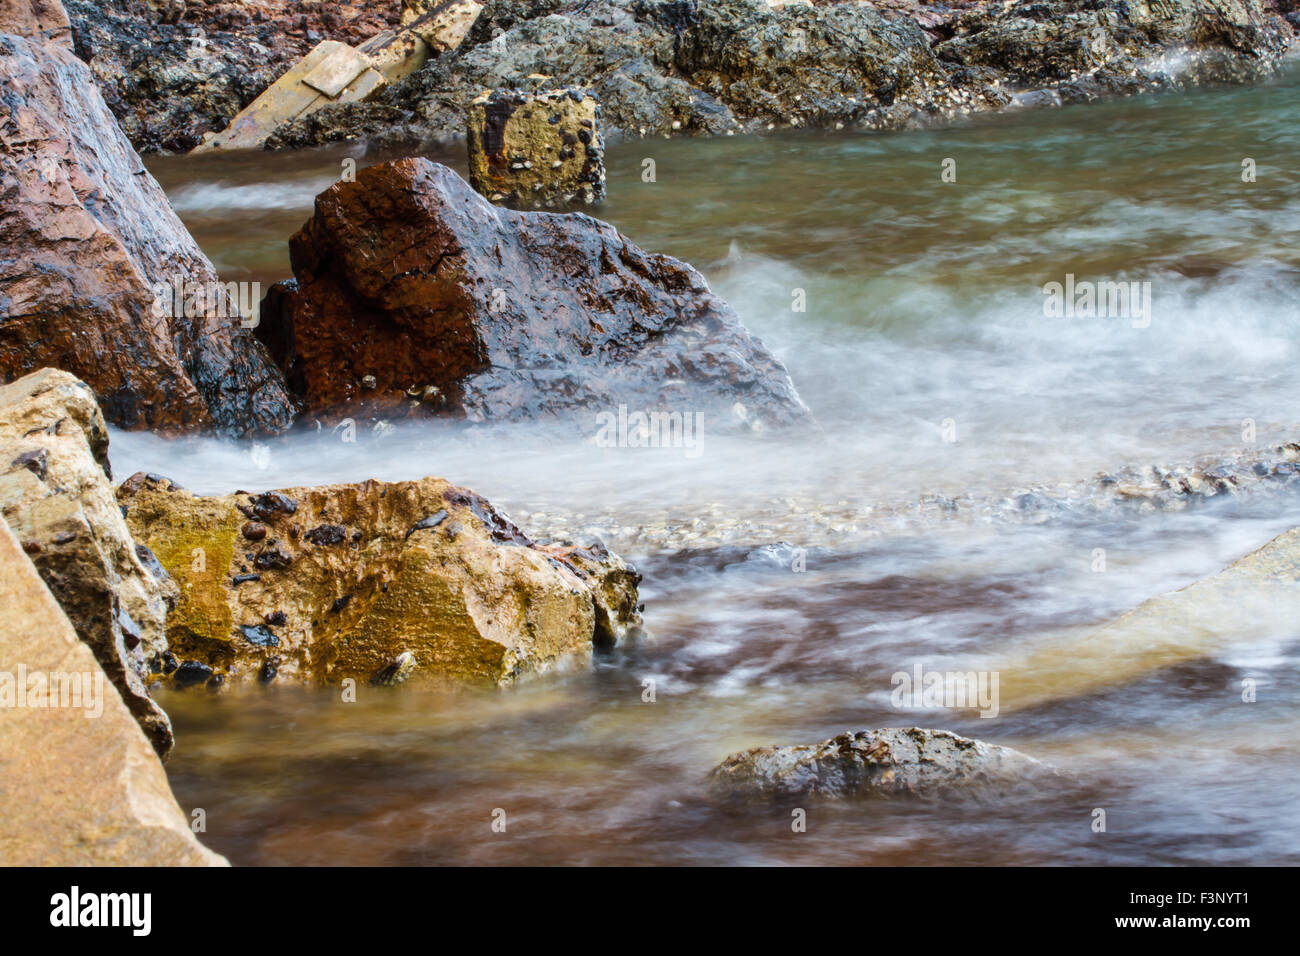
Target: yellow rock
(79,785)
(341,581)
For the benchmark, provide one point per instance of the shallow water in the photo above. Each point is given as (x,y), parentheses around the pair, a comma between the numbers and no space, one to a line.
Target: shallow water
(924,322)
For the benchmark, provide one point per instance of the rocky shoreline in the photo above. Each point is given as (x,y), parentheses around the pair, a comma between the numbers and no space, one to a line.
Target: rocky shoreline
(174,72)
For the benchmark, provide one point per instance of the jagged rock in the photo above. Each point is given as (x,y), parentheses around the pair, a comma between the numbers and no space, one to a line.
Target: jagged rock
(335,72)
(1086,50)
(56,496)
(81,786)
(538,149)
(175,72)
(668,67)
(368,573)
(89,246)
(55,493)
(457,307)
(892,761)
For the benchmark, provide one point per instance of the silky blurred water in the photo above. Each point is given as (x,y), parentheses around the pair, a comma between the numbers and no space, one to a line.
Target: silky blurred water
(923,323)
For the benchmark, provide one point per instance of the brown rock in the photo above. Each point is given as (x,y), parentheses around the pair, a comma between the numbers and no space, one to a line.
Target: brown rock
(89,246)
(411,277)
(79,785)
(353,577)
(536,149)
(56,496)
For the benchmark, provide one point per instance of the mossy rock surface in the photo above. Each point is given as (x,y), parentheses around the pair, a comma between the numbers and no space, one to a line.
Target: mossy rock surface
(317,585)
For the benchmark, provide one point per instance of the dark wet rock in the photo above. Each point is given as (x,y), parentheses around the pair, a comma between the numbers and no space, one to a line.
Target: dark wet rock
(190,673)
(408,275)
(270,667)
(424,524)
(325,535)
(668,67)
(253,530)
(171,79)
(273,559)
(259,634)
(273,503)
(245,578)
(1085,50)
(892,761)
(89,244)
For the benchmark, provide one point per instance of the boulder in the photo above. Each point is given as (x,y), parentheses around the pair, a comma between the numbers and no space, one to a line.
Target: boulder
(536,149)
(374,582)
(56,496)
(91,255)
(894,761)
(441,303)
(79,783)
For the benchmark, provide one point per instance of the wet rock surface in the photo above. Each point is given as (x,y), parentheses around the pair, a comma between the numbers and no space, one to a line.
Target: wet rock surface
(88,243)
(536,150)
(82,786)
(876,763)
(393,596)
(56,496)
(415,296)
(726,66)
(175,71)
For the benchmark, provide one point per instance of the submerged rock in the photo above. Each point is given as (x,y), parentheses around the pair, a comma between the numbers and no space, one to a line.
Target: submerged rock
(91,255)
(892,761)
(394,597)
(82,787)
(536,149)
(56,496)
(414,295)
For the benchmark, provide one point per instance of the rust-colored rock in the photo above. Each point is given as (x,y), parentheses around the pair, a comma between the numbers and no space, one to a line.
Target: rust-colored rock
(87,244)
(458,307)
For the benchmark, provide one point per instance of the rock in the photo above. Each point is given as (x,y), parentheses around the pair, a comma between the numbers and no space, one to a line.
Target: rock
(335,72)
(442,24)
(172,76)
(1246,605)
(90,252)
(409,276)
(396,598)
(665,67)
(893,761)
(1087,50)
(66,516)
(82,786)
(538,149)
